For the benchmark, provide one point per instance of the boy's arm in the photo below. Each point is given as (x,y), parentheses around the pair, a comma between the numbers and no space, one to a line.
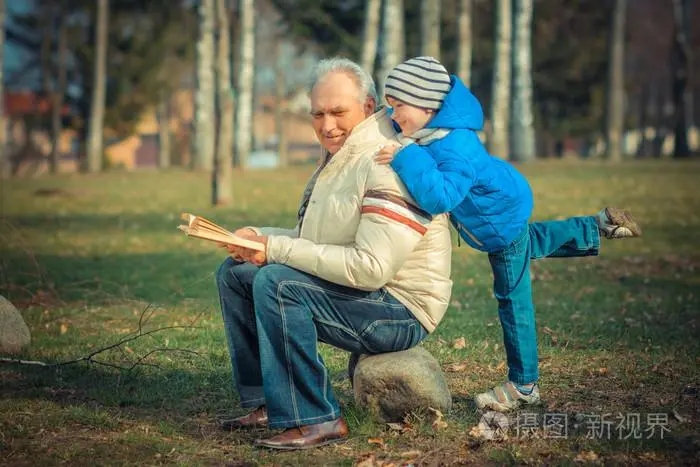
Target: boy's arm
(437,183)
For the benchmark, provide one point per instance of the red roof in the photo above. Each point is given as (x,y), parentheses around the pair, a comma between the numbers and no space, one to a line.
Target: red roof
(19,103)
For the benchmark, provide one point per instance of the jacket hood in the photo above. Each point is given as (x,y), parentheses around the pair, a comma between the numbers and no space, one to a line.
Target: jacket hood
(460,109)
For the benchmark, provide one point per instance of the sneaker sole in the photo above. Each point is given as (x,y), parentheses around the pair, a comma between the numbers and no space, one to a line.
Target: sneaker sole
(623,218)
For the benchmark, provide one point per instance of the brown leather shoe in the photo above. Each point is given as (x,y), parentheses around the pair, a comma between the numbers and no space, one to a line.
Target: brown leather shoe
(255,419)
(307,436)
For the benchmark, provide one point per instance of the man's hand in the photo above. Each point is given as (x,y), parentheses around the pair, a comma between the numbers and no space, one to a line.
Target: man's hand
(244,232)
(386,154)
(258,258)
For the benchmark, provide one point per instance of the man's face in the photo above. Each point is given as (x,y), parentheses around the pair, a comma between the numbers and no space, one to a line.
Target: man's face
(336,109)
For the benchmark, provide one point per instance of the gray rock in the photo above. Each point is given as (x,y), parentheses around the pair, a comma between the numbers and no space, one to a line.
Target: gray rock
(391,385)
(14,333)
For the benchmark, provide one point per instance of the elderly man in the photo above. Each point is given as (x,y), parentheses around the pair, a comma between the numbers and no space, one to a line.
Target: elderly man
(365,270)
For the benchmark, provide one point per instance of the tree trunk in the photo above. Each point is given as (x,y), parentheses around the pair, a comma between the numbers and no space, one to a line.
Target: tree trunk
(615,121)
(500,95)
(59,92)
(97,112)
(244,118)
(680,69)
(371,35)
(222,189)
(522,122)
(643,121)
(430,28)
(393,41)
(464,48)
(660,120)
(281,109)
(46,23)
(4,153)
(205,118)
(164,135)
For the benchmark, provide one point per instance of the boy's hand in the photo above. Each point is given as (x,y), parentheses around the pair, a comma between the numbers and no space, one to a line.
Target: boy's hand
(386,154)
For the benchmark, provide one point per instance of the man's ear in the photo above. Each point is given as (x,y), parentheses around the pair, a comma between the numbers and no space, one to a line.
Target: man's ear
(370,106)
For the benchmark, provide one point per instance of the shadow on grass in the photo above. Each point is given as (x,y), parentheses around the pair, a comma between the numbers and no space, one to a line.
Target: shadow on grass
(163,278)
(167,390)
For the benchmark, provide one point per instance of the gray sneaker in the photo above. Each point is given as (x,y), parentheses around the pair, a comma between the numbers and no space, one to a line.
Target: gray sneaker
(506,397)
(617,223)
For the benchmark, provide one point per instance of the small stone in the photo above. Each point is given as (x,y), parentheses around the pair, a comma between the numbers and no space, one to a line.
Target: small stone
(391,385)
(14,333)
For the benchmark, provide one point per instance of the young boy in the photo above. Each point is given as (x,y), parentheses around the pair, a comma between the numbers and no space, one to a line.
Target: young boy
(446,169)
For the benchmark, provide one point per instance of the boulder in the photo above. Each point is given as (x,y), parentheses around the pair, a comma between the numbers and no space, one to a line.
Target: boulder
(391,385)
(14,333)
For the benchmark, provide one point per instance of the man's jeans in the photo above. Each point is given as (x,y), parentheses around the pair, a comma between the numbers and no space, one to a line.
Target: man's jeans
(576,236)
(275,315)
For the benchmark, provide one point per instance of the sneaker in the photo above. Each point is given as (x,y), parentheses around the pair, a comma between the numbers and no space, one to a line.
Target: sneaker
(506,397)
(617,223)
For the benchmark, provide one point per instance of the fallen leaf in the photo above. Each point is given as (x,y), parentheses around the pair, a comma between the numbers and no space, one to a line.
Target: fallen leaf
(602,371)
(438,423)
(587,456)
(128,349)
(378,441)
(64,328)
(459,343)
(456,367)
(368,461)
(412,453)
(395,426)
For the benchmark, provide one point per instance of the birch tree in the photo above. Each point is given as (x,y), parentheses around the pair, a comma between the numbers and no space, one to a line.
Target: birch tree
(430,28)
(680,64)
(244,117)
(615,111)
(393,40)
(205,126)
(371,35)
(99,91)
(222,190)
(164,137)
(281,105)
(59,91)
(464,47)
(522,121)
(500,87)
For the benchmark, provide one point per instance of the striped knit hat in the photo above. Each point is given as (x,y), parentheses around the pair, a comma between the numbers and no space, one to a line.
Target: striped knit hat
(420,82)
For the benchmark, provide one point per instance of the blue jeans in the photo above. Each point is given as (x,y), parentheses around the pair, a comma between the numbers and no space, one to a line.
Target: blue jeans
(274,317)
(573,237)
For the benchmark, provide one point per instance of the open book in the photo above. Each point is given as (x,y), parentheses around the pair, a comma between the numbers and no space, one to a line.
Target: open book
(205,229)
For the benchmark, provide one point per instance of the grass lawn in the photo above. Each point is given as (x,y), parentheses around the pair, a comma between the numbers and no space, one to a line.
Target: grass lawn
(82,257)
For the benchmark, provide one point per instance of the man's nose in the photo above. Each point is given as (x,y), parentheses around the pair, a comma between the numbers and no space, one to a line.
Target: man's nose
(328,124)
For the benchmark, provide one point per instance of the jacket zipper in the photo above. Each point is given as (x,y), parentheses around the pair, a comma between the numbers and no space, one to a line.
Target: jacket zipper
(470,235)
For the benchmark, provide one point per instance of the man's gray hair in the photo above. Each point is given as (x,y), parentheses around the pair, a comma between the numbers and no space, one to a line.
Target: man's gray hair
(364,80)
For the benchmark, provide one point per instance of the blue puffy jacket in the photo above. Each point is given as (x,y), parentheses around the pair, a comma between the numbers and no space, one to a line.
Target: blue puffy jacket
(489,201)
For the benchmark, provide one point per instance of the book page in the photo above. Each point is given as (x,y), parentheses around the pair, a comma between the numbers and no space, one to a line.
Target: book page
(199,227)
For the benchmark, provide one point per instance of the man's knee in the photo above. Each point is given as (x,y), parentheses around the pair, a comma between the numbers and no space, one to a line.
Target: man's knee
(224,271)
(268,278)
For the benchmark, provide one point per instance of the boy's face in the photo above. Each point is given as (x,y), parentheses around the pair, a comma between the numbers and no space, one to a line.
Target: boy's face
(408,117)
